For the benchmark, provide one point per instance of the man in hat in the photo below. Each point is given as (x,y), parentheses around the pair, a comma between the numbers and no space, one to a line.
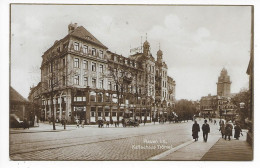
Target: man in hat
(205,130)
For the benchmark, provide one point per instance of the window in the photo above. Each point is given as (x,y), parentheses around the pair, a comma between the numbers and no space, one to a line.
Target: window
(92,114)
(79,98)
(76,80)
(93,51)
(85,49)
(85,81)
(101,84)
(109,85)
(94,82)
(63,62)
(76,46)
(93,66)
(63,80)
(50,68)
(85,64)
(115,87)
(101,54)
(49,83)
(101,68)
(76,63)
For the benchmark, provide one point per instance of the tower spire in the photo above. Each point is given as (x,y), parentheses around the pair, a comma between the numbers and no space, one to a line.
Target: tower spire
(141,43)
(146,36)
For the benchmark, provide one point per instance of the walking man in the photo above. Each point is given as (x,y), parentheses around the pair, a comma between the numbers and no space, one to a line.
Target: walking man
(205,130)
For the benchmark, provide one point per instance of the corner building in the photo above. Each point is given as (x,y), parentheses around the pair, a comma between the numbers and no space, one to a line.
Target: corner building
(89,82)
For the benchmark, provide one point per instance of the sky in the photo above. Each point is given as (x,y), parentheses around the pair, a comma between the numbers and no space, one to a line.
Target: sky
(197,41)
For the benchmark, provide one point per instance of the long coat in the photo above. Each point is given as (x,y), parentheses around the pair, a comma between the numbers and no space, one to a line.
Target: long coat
(228,130)
(206,128)
(222,128)
(237,131)
(195,130)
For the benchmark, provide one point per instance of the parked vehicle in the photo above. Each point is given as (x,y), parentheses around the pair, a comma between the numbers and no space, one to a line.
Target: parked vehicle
(131,122)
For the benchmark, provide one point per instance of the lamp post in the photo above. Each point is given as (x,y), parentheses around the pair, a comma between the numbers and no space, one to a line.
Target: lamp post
(242,107)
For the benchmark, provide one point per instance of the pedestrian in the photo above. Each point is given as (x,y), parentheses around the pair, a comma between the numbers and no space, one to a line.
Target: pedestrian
(195,130)
(238,130)
(82,123)
(111,122)
(107,124)
(222,128)
(123,122)
(77,122)
(144,121)
(228,130)
(205,130)
(215,122)
(115,123)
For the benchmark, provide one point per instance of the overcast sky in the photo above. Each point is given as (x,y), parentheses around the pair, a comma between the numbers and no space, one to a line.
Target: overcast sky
(197,41)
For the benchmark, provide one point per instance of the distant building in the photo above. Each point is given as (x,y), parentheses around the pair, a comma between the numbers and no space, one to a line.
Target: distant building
(86,81)
(224,83)
(18,108)
(219,105)
(35,98)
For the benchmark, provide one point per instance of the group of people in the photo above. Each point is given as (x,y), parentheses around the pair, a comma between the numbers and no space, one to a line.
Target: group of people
(226,130)
(196,129)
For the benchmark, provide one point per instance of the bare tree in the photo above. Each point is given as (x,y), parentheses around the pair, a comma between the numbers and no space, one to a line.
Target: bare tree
(56,79)
(121,79)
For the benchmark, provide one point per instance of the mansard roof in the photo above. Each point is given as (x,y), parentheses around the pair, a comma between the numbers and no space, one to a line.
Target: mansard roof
(82,33)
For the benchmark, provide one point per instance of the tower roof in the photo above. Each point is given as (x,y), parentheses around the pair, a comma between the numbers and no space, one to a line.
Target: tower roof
(159,52)
(146,43)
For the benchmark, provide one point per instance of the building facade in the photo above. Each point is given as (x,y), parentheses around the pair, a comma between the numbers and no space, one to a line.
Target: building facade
(82,79)
(219,105)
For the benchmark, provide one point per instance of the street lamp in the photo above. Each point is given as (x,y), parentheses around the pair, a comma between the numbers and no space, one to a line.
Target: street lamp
(242,106)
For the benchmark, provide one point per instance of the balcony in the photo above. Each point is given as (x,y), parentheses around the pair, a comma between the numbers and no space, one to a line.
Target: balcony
(127,79)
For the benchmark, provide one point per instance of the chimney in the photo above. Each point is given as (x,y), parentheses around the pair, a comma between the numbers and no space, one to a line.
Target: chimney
(72,27)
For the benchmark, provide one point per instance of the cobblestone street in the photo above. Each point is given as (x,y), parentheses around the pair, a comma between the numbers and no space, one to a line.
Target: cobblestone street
(93,143)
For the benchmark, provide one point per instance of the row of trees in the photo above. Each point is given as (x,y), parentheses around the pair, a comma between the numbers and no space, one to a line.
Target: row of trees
(185,109)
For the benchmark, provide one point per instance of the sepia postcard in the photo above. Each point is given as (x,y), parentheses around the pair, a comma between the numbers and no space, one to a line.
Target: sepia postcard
(132,82)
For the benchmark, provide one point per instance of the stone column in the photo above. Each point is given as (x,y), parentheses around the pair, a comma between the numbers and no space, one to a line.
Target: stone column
(88,106)
(60,106)
(54,108)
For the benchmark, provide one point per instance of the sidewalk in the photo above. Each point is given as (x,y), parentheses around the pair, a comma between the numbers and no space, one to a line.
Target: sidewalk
(46,127)
(216,149)
(234,150)
(43,127)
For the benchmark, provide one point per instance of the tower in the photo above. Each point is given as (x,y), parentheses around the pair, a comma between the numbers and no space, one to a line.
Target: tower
(159,55)
(224,83)
(146,48)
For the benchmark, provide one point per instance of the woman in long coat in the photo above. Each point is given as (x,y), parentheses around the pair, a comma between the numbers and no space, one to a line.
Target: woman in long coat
(222,128)
(195,130)
(228,130)
(237,131)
